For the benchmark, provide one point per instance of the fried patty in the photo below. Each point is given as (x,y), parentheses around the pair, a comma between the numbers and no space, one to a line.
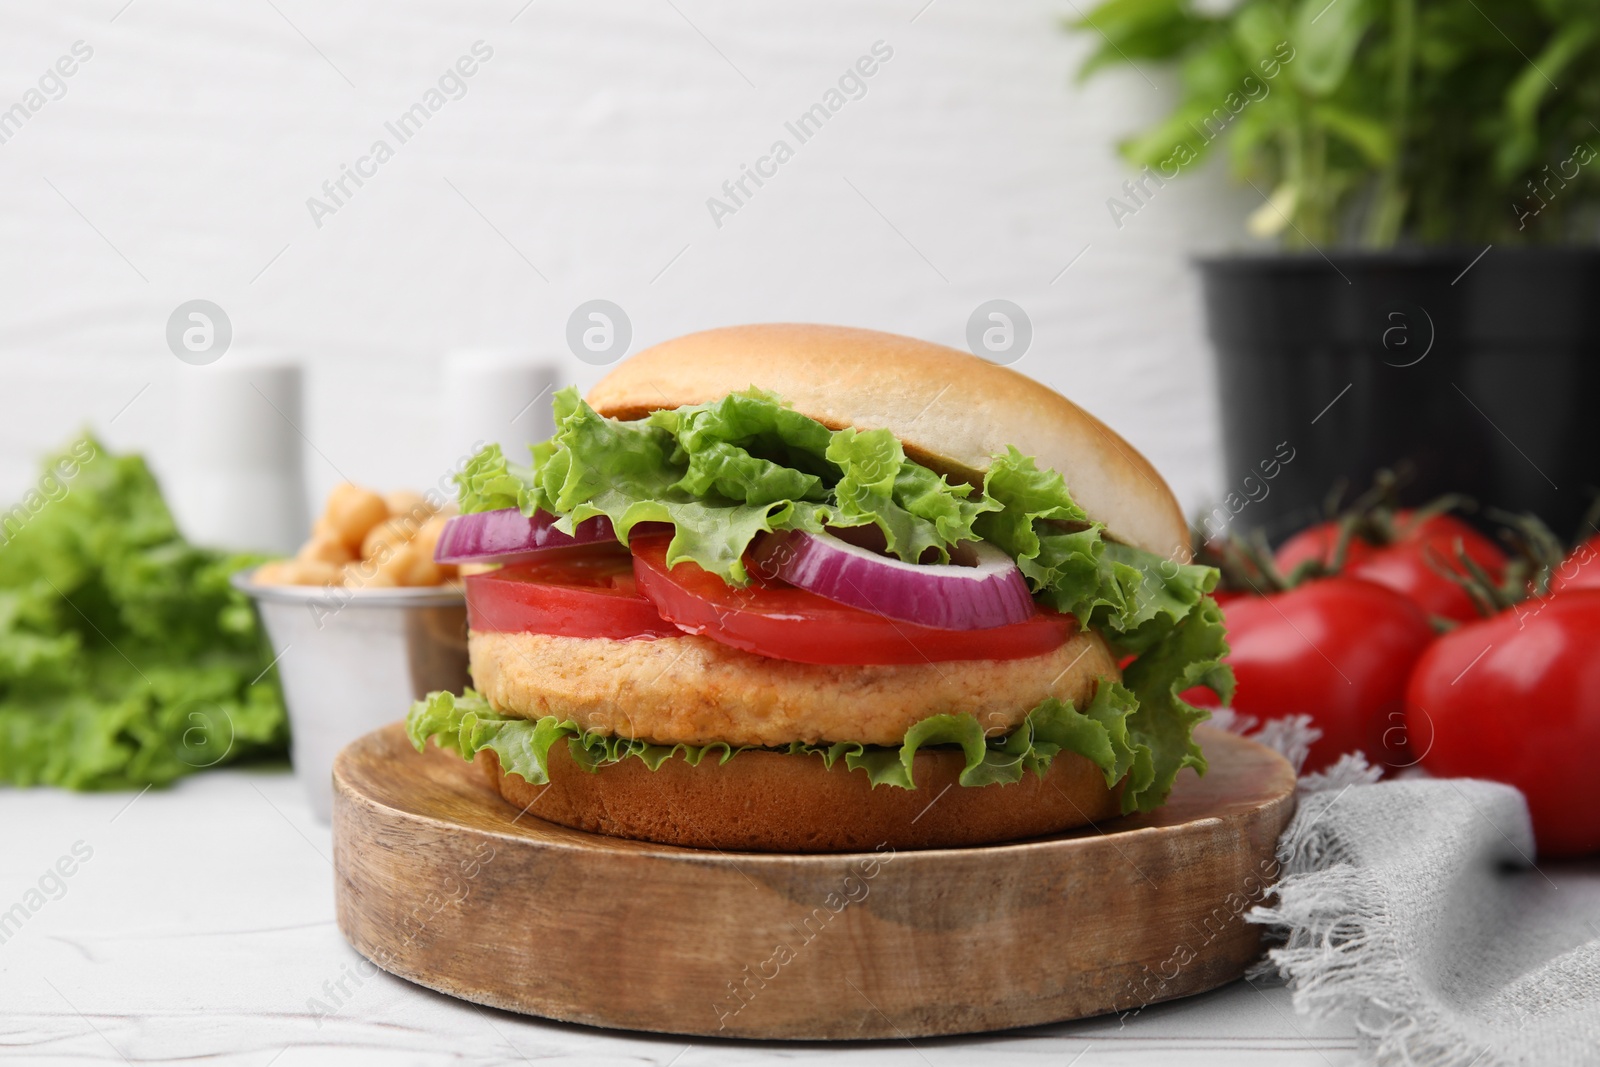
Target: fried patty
(693,690)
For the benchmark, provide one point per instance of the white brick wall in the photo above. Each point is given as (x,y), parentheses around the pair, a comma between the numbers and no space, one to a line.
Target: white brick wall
(194,135)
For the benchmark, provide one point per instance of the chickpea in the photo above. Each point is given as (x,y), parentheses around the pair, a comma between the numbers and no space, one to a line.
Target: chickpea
(390,533)
(382,570)
(308,572)
(358,573)
(424,571)
(325,548)
(427,538)
(414,520)
(368,575)
(273,573)
(365,540)
(397,566)
(352,512)
(406,502)
(427,542)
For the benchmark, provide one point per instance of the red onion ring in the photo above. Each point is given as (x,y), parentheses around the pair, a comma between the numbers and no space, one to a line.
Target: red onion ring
(507,535)
(947,596)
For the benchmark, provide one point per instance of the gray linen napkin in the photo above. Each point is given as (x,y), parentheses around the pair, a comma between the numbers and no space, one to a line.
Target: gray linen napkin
(1416,907)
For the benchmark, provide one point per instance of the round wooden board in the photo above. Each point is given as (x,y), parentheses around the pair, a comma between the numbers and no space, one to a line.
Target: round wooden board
(440,881)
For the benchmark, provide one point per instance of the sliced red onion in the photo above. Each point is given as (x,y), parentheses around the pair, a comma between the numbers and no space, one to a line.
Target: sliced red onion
(948,596)
(508,535)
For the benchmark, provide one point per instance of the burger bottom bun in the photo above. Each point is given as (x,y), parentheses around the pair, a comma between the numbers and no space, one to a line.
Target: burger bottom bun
(777,802)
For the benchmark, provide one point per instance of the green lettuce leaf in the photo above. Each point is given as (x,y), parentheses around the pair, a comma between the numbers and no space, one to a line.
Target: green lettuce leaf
(1099,732)
(916,509)
(1187,655)
(489,483)
(722,474)
(1074,569)
(467,724)
(126,659)
(1152,607)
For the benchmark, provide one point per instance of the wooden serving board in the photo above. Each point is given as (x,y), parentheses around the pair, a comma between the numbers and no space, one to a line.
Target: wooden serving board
(442,882)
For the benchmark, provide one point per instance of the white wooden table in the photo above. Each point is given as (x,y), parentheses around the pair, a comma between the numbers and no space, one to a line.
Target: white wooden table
(200,927)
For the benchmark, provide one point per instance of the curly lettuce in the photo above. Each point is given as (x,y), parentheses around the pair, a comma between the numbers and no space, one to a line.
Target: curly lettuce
(467,724)
(723,473)
(1141,603)
(126,659)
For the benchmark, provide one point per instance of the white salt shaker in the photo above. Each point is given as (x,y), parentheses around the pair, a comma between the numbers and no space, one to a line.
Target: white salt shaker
(240,483)
(496,396)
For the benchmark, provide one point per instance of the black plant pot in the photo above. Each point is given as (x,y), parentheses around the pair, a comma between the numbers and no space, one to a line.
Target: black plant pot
(1474,376)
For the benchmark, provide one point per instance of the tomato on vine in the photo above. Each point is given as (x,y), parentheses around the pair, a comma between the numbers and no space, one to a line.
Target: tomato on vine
(1580,569)
(1337,649)
(1409,551)
(1516,698)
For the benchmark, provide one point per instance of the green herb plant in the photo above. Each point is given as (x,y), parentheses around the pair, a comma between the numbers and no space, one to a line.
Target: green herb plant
(1392,121)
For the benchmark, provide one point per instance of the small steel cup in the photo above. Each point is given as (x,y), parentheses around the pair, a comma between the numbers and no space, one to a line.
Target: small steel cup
(352,660)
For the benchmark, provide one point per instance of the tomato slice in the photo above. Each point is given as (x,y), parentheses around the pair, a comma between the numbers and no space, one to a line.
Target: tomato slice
(571,592)
(776,620)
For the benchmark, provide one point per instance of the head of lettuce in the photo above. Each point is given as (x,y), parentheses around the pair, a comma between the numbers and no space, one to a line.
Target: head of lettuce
(805,588)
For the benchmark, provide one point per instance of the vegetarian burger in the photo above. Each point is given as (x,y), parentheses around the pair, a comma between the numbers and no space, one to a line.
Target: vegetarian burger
(807,588)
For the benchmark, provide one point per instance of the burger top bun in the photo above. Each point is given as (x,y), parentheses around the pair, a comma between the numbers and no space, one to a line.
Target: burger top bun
(953,411)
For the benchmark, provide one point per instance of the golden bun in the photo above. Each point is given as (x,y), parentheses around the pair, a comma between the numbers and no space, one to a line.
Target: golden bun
(765,801)
(952,410)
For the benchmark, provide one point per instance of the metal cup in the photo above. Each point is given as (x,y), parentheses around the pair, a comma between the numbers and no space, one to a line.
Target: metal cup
(352,660)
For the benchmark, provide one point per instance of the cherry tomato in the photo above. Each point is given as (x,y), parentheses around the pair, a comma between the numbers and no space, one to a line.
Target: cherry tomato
(572,592)
(1338,649)
(1580,570)
(1407,564)
(773,619)
(1406,568)
(1516,698)
(1318,542)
